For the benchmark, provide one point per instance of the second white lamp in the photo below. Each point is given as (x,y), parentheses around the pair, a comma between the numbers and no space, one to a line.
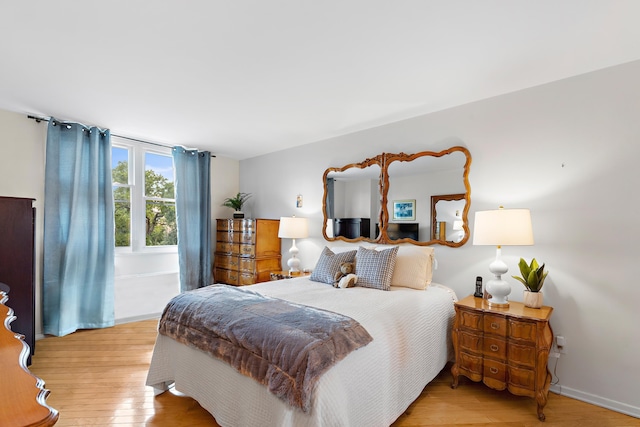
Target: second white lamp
(497,228)
(293,228)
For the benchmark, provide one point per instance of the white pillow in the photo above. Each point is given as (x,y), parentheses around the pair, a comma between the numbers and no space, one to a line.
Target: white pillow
(414,266)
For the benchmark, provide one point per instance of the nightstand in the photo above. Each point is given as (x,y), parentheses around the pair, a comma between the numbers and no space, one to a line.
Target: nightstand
(284,274)
(505,348)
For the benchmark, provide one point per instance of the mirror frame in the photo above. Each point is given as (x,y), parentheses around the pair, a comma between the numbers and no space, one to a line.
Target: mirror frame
(434,216)
(384,160)
(377,160)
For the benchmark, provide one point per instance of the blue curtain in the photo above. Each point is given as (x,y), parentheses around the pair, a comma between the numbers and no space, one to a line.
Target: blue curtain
(193,216)
(78,229)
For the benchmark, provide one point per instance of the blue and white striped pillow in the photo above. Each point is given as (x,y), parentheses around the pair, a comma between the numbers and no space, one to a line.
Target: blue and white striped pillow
(375,268)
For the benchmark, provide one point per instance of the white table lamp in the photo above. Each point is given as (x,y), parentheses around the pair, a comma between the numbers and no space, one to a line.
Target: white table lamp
(293,228)
(501,227)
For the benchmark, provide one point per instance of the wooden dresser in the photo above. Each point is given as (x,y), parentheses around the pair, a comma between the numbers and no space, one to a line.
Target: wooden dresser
(17,247)
(503,347)
(22,395)
(247,251)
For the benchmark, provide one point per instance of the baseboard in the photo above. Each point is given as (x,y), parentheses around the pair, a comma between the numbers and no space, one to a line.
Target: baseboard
(148,316)
(603,402)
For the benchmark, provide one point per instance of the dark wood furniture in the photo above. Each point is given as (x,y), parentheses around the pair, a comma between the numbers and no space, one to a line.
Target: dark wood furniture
(503,347)
(352,228)
(247,251)
(17,231)
(22,395)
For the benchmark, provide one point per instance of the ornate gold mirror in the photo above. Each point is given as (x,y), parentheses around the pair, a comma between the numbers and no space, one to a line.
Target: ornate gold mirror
(351,203)
(420,198)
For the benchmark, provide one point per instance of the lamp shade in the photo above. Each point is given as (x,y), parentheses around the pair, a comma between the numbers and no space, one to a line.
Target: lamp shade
(293,228)
(503,227)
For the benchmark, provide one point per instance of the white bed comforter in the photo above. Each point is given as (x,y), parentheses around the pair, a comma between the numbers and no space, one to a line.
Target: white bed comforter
(372,386)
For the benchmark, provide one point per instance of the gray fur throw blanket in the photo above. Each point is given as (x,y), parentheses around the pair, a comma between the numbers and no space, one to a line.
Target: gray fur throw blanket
(283,345)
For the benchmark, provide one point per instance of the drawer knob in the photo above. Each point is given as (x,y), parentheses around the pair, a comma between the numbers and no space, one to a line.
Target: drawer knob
(495,325)
(494,347)
(493,370)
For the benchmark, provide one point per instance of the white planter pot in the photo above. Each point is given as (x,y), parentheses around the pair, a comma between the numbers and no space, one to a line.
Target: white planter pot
(533,299)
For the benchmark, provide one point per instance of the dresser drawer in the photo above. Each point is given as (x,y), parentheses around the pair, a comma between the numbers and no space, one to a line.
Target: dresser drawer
(247,265)
(523,330)
(247,250)
(494,347)
(225,236)
(246,279)
(227,247)
(229,262)
(495,325)
(229,277)
(247,238)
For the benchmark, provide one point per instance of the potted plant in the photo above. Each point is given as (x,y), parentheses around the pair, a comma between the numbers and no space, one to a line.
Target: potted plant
(533,276)
(236,203)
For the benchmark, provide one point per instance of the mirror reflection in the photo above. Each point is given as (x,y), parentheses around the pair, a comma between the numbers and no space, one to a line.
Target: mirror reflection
(421,177)
(421,198)
(352,202)
(447,224)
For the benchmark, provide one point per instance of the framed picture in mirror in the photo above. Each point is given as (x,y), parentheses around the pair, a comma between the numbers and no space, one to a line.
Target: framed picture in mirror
(404,210)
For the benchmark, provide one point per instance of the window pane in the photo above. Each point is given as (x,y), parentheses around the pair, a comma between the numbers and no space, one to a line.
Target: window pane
(158,176)
(122,215)
(120,165)
(161,223)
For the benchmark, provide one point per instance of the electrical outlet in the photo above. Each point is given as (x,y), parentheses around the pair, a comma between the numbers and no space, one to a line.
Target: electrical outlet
(561,344)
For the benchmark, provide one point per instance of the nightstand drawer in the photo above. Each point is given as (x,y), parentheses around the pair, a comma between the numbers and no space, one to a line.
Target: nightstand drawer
(495,347)
(522,378)
(495,325)
(470,342)
(522,354)
(470,363)
(523,330)
(470,320)
(495,374)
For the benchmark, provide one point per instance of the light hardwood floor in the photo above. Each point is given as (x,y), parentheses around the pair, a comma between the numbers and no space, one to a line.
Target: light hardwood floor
(96,377)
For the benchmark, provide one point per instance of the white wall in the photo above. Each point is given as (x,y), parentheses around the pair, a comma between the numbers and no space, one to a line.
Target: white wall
(143,282)
(567,150)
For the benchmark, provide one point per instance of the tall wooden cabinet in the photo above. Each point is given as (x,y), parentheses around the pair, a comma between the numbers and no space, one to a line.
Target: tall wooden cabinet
(17,245)
(247,251)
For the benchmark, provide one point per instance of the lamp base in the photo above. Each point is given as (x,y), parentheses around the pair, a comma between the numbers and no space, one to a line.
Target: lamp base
(498,288)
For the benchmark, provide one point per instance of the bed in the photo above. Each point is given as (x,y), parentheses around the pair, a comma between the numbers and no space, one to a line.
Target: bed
(371,386)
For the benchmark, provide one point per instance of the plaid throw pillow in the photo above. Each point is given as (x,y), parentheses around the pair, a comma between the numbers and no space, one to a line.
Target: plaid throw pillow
(328,264)
(375,268)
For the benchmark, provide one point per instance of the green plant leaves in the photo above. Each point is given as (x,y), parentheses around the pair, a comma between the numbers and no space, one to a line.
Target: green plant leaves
(533,275)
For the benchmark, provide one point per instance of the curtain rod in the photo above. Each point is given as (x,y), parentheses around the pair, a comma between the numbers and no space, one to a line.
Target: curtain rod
(44,119)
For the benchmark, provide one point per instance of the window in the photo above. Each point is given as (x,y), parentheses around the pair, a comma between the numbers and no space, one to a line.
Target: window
(144,197)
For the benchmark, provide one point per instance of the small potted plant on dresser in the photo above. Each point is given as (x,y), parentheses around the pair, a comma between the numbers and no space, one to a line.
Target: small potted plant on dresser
(236,203)
(533,276)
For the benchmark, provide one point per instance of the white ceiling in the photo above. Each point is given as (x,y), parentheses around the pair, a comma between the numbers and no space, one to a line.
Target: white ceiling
(247,77)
